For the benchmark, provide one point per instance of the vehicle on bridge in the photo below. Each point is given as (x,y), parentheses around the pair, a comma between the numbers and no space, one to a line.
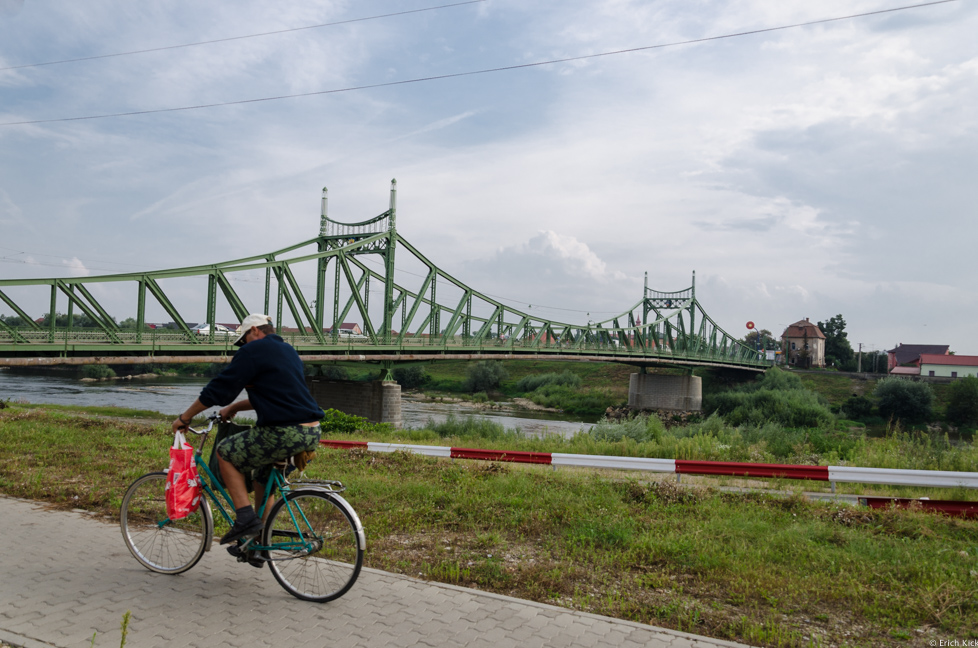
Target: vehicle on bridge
(204,330)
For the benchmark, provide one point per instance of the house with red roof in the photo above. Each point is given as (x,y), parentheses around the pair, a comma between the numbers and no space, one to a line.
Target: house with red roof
(908,355)
(948,366)
(803,345)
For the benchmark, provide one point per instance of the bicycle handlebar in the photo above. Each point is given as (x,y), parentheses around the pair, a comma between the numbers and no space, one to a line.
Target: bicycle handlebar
(213,418)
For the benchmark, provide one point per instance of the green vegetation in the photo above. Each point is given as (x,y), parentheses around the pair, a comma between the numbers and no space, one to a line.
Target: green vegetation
(485,375)
(327,372)
(98,372)
(411,377)
(905,400)
(777,397)
(712,439)
(335,421)
(583,402)
(761,339)
(838,351)
(962,406)
(747,567)
(534,382)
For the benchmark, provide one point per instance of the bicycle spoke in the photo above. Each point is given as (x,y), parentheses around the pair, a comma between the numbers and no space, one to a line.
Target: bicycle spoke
(314,549)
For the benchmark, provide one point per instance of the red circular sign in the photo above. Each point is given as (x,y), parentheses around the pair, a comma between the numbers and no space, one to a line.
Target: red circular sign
(750,325)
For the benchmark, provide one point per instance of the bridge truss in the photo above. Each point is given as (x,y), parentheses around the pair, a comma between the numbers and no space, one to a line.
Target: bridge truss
(321,283)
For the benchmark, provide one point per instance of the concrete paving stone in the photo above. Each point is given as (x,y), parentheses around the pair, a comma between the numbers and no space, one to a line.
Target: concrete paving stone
(633,643)
(347,642)
(496,635)
(564,620)
(539,621)
(526,612)
(586,620)
(467,635)
(512,622)
(228,604)
(534,641)
(485,625)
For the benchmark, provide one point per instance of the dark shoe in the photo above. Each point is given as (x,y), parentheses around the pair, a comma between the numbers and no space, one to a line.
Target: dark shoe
(241,531)
(244,555)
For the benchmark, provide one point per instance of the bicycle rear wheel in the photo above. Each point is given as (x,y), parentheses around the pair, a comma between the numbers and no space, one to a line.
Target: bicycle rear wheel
(158,543)
(315,545)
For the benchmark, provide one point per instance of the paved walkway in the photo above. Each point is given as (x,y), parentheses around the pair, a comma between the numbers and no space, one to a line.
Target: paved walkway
(66,575)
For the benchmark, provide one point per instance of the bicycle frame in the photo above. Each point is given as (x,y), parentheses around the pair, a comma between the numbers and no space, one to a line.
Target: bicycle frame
(312,539)
(212,489)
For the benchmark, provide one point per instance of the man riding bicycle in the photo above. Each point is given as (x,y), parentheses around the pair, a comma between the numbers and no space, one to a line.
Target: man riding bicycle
(287,415)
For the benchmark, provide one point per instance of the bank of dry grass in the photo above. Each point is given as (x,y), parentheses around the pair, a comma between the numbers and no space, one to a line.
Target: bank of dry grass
(748,567)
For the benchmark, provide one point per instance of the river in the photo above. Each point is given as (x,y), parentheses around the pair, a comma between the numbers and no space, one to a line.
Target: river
(171,395)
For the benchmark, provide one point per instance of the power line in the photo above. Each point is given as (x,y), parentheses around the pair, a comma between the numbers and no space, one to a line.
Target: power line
(506,68)
(234,38)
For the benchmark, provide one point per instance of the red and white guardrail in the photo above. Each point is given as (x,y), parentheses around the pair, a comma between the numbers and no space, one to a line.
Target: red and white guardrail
(833,474)
(851,474)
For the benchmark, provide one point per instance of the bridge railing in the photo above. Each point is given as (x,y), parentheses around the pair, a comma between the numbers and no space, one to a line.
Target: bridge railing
(95,340)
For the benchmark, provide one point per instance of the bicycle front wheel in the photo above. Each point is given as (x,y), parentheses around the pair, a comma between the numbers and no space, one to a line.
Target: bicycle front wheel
(315,545)
(159,543)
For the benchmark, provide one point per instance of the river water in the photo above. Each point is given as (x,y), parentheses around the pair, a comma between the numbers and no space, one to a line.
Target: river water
(171,395)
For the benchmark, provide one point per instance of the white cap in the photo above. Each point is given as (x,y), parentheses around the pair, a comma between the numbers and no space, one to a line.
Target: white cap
(248,323)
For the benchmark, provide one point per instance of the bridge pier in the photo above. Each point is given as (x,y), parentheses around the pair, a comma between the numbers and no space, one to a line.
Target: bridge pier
(378,401)
(658,391)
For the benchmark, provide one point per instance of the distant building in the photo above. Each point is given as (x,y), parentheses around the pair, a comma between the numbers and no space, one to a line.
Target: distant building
(803,344)
(908,355)
(948,366)
(348,328)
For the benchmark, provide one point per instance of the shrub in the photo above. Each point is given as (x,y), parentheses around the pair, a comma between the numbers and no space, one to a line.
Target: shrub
(99,372)
(411,377)
(534,382)
(905,400)
(333,372)
(471,427)
(485,375)
(776,397)
(328,372)
(590,402)
(775,379)
(337,421)
(962,406)
(857,407)
(639,429)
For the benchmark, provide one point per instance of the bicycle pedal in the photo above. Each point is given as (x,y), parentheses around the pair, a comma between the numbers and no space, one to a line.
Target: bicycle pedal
(249,557)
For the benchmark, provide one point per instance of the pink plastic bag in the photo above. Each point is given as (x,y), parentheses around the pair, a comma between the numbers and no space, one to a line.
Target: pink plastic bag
(182,480)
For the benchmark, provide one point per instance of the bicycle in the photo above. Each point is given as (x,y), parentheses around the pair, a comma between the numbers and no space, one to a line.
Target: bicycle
(313,541)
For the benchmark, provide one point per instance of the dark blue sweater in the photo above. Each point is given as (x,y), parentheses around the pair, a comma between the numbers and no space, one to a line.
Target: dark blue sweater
(272,373)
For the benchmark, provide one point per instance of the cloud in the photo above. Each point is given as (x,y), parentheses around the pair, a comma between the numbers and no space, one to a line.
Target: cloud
(11,215)
(75,267)
(557,275)
(10,7)
(796,172)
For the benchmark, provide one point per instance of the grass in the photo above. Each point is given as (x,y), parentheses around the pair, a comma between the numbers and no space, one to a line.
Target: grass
(746,567)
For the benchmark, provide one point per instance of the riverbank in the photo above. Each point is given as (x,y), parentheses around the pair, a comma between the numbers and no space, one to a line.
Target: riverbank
(748,567)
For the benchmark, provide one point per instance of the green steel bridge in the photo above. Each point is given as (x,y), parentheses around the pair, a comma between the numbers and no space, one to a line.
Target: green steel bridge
(424,313)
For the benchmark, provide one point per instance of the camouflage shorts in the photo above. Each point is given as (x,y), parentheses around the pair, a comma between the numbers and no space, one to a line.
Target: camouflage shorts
(261,446)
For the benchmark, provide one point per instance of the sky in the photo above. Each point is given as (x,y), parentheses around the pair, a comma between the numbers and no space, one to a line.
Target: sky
(801,172)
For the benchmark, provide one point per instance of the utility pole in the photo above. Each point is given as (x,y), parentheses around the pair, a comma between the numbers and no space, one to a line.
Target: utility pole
(859,365)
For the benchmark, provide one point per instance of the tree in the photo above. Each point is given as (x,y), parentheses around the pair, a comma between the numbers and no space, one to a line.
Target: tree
(410,377)
(766,338)
(962,402)
(838,351)
(485,375)
(908,401)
